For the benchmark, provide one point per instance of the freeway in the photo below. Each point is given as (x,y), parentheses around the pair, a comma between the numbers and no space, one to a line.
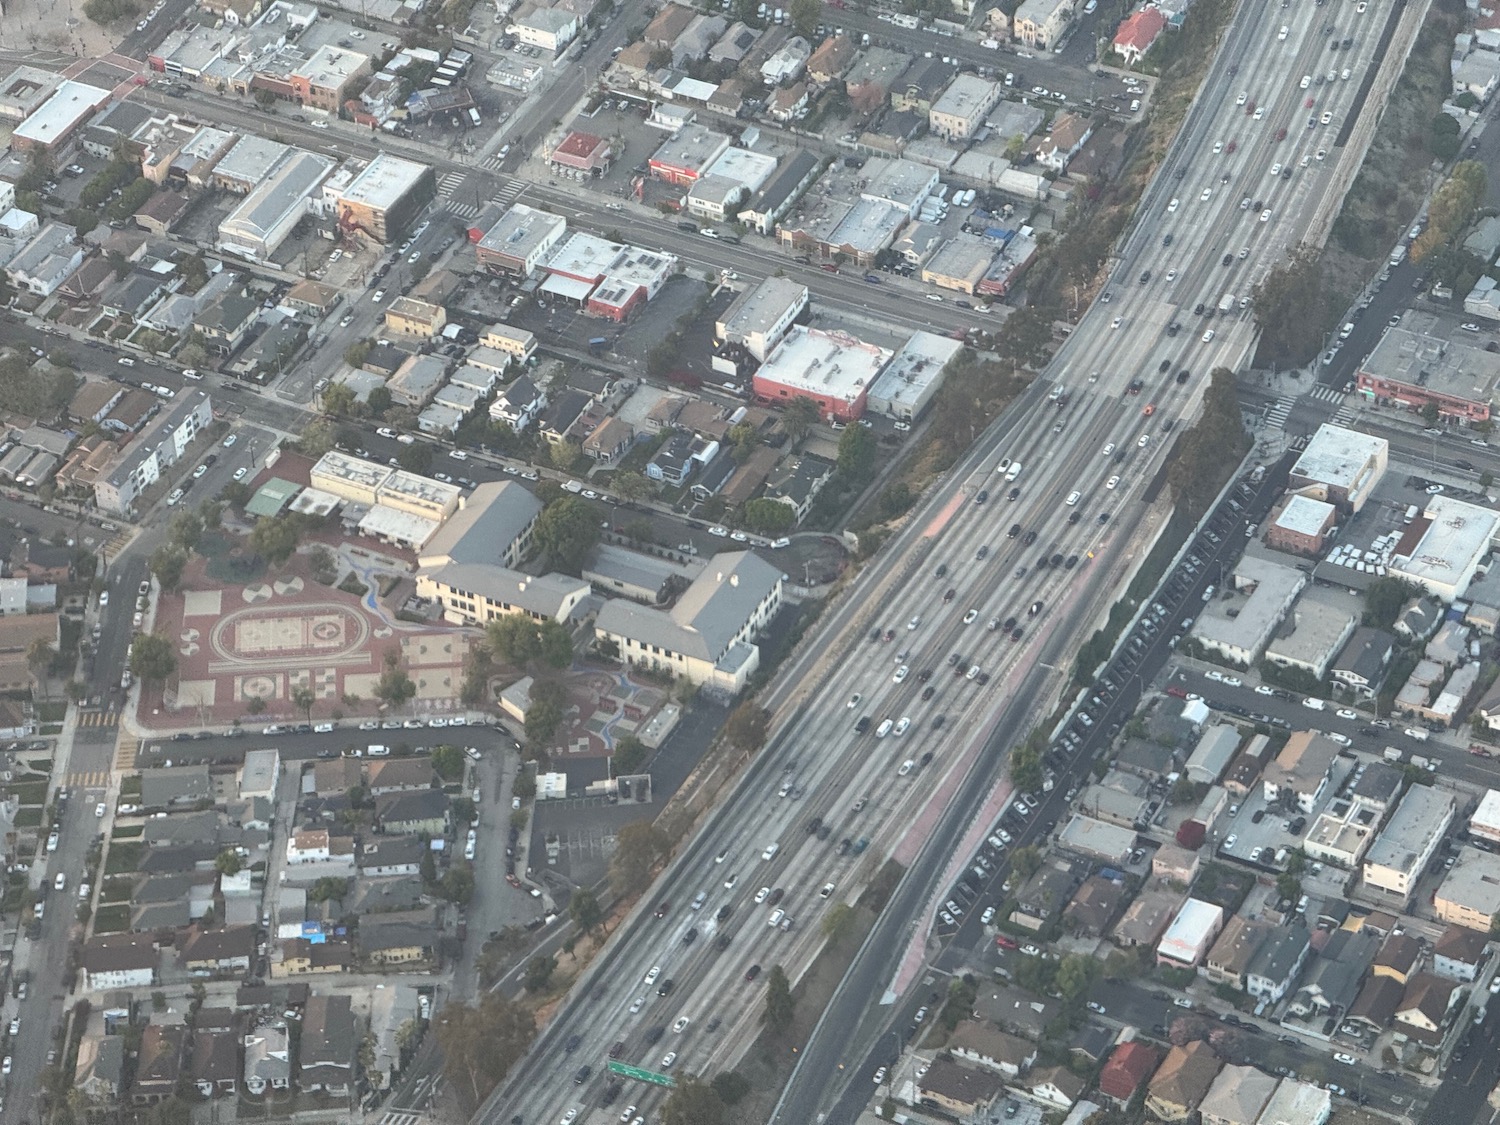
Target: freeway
(959,566)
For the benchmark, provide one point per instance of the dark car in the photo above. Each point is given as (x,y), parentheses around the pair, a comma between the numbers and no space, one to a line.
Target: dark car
(937,722)
(1163,367)
(950,594)
(863,725)
(691,935)
(572,1044)
(1198,309)
(1166,240)
(927,693)
(662,907)
(1227,260)
(582,1075)
(1182,376)
(1030,539)
(1014,493)
(941,571)
(724,912)
(754,970)
(655,1034)
(666,987)
(1015,529)
(776,896)
(982,496)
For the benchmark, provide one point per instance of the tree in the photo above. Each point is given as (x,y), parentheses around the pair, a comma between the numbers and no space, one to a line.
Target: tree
(330,888)
(585,910)
(228,863)
(1026,768)
(639,848)
(167,564)
(857,453)
(1431,413)
(629,485)
(324,565)
(781,1006)
(692,1103)
(564,455)
(379,401)
(303,699)
(1027,338)
(567,530)
(769,517)
(747,726)
(799,416)
(338,399)
(394,687)
(1383,601)
(543,718)
(457,884)
(481,1042)
(630,754)
(1026,861)
(153,658)
(1288,886)
(275,538)
(186,530)
(539,972)
(731,1086)
(1075,975)
(415,458)
(448,761)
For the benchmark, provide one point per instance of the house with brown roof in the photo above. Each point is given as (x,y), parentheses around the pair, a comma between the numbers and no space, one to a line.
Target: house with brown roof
(1067,137)
(209,953)
(1459,953)
(399,775)
(17,634)
(1094,906)
(831,60)
(92,401)
(1398,958)
(1423,1012)
(669,23)
(161,211)
(1057,1086)
(1182,1081)
(986,1045)
(300,957)
(1230,957)
(1128,1067)
(327,1049)
(158,1063)
(1376,1004)
(960,1090)
(214,1065)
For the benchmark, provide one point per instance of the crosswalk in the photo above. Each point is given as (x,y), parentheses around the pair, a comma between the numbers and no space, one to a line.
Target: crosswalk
(451,181)
(507,193)
(88,779)
(510,190)
(398,1117)
(125,752)
(98,719)
(1279,412)
(1324,393)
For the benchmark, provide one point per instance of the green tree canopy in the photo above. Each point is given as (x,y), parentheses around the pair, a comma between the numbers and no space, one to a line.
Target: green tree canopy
(691,1102)
(482,1041)
(781,1006)
(153,658)
(275,538)
(857,453)
(639,848)
(769,517)
(567,530)
(167,564)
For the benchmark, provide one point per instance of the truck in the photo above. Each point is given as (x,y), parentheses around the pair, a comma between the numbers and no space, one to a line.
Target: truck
(1428,764)
(1226,304)
(1391,754)
(1412,511)
(1398,254)
(901,19)
(599,344)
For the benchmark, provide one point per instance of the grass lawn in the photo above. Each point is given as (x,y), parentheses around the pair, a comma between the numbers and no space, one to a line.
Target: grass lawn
(30,792)
(123,857)
(130,786)
(112,919)
(52,712)
(128,832)
(28,817)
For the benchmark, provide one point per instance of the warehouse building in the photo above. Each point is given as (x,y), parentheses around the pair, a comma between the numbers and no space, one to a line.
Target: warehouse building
(259,225)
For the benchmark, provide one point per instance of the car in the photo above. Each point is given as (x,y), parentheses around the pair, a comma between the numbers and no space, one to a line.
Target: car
(1262,689)
(1208,336)
(900,674)
(1182,1002)
(1346,713)
(1112,483)
(239,474)
(569,1117)
(1095,1006)
(1207,195)
(880,1075)
(853,702)
(1145,439)
(1117,322)
(919,1015)
(970,616)
(652,973)
(99,809)
(230,440)
(1341,1057)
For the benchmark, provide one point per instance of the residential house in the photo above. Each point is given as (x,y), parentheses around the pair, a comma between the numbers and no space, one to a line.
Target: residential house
(1399,958)
(1459,954)
(1064,141)
(326,1062)
(391,855)
(1038,24)
(214,1064)
(114,961)
(207,953)
(268,1064)
(1094,906)
(1361,664)
(831,60)
(1375,1006)
(610,440)
(1128,1068)
(301,957)
(557,423)
(158,1063)
(1015,1010)
(175,787)
(100,1068)
(1139,33)
(402,940)
(1237,1096)
(987,1046)
(412,813)
(1229,959)
(1182,1081)
(1424,1010)
(1277,963)
(1298,776)
(1057,1086)
(961,1090)
(399,775)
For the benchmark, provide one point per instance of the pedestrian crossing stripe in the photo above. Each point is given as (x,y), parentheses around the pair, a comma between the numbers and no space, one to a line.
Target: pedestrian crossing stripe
(1279,412)
(394,1118)
(89,779)
(99,719)
(449,182)
(1325,393)
(125,752)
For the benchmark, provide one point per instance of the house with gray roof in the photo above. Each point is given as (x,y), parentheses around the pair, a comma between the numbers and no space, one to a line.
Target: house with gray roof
(708,635)
(477,593)
(175,787)
(493,525)
(327,1050)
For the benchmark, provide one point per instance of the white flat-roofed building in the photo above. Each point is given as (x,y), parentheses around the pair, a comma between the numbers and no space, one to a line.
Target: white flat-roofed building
(1039,23)
(585,258)
(515,342)
(51,124)
(391,525)
(349,478)
(1300,773)
(1442,550)
(912,377)
(386,197)
(1238,1096)
(1342,833)
(158,446)
(549,29)
(708,635)
(417,380)
(1470,892)
(46,261)
(421,496)
(260,774)
(1485,823)
(1402,851)
(248,163)
(833,369)
(635,277)
(1239,625)
(960,263)
(759,317)
(259,225)
(961,109)
(866,228)
(752,169)
(1191,934)
(903,184)
(1318,627)
(521,241)
(1342,467)
(1100,839)
(24,89)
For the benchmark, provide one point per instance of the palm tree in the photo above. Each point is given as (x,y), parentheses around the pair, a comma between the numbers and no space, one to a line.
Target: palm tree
(303,699)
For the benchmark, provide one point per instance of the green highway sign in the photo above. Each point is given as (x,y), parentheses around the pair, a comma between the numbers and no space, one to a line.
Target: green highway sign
(641,1075)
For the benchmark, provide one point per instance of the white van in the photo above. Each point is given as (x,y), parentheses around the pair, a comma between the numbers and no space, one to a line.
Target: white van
(883,729)
(378,751)
(1416,732)
(1312,703)
(1014,471)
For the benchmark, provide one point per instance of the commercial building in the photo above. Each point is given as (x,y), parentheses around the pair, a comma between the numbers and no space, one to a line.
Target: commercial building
(478,593)
(912,377)
(1342,833)
(1239,624)
(1413,369)
(1300,774)
(24,89)
(1442,549)
(1302,526)
(548,29)
(760,317)
(327,77)
(960,263)
(583,154)
(1470,892)
(159,446)
(1485,823)
(521,241)
(1191,934)
(1341,467)
(1097,838)
(832,368)
(407,316)
(52,124)
(1402,851)
(386,197)
(708,635)
(793,175)
(258,226)
(687,154)
(960,110)
(1313,634)
(635,277)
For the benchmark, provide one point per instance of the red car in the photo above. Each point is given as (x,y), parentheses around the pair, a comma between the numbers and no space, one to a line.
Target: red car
(1177,692)
(1231,146)
(1006,942)
(1281,133)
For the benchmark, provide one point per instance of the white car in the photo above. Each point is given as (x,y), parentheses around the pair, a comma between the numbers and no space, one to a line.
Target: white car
(1276,169)
(1208,194)
(320,124)
(652,973)
(99,809)
(1265,216)
(1112,483)
(1233,681)
(1145,440)
(854,701)
(1208,336)
(1095,1006)
(970,616)
(1218,147)
(880,1076)
(719,532)
(1261,689)
(681,1025)
(1109,448)
(1242,99)
(902,725)
(1171,275)
(1117,322)
(239,474)
(1346,713)
(761,895)
(230,440)
(900,674)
